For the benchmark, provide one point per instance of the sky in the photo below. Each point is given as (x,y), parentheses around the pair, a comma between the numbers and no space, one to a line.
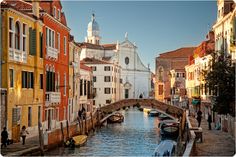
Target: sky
(155,26)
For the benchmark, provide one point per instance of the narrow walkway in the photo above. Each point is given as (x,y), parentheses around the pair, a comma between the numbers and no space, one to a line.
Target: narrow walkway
(215,142)
(17,149)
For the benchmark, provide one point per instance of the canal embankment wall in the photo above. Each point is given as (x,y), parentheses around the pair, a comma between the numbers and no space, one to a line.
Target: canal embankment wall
(56,137)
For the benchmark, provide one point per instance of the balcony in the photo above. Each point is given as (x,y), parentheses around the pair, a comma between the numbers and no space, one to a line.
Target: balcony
(52,98)
(52,52)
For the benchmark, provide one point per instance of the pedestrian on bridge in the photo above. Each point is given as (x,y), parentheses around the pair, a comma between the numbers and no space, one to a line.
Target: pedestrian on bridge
(209,120)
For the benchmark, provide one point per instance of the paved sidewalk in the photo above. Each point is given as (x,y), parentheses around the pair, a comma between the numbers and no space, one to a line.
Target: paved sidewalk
(215,142)
(16,149)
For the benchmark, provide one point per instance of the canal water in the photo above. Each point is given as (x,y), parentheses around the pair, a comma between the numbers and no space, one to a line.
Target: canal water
(138,135)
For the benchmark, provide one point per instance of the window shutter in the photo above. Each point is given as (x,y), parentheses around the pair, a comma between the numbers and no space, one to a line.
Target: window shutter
(41,44)
(32,41)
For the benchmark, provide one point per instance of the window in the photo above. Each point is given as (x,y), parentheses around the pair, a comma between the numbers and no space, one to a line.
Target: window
(178,75)
(50,38)
(11,32)
(121,81)
(59,14)
(94,68)
(27,79)
(108,101)
(11,73)
(30,80)
(58,42)
(126,60)
(107,68)
(64,45)
(126,93)
(107,79)
(114,90)
(29,116)
(94,78)
(64,84)
(50,81)
(41,44)
(24,79)
(54,12)
(81,87)
(57,114)
(24,37)
(41,81)
(85,87)
(39,113)
(160,73)
(17,36)
(107,90)
(183,75)
(160,90)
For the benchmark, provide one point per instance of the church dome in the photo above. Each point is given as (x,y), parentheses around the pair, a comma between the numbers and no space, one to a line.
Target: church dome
(93,25)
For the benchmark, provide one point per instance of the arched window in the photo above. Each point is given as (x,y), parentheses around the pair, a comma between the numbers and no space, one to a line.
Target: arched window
(17,36)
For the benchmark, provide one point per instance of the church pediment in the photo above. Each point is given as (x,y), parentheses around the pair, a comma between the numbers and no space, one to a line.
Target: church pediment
(127,44)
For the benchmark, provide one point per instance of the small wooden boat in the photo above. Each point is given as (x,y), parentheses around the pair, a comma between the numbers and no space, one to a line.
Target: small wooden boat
(169,128)
(153,113)
(163,117)
(166,148)
(80,140)
(116,118)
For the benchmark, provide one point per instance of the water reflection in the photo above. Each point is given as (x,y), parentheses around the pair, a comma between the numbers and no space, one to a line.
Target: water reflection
(138,135)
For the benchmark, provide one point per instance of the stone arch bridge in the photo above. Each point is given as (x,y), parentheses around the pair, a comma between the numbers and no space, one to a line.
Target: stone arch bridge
(170,110)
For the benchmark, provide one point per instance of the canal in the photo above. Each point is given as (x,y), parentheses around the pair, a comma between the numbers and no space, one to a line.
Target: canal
(138,135)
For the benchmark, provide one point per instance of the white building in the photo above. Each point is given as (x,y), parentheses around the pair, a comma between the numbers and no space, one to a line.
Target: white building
(135,76)
(224,28)
(106,80)
(86,87)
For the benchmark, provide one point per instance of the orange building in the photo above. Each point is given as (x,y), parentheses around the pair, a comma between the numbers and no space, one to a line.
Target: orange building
(56,64)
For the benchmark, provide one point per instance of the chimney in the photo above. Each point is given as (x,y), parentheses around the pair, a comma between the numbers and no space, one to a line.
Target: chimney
(35,7)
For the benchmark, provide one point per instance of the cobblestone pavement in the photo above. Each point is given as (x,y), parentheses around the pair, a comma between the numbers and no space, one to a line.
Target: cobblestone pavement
(215,142)
(14,148)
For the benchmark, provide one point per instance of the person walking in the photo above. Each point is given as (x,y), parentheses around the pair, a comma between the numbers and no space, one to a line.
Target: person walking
(199,117)
(23,134)
(4,136)
(209,120)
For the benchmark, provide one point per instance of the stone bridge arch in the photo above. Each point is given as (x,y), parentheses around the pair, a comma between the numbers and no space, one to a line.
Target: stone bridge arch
(170,110)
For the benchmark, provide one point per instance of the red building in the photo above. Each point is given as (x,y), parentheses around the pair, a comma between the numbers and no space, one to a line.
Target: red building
(56,60)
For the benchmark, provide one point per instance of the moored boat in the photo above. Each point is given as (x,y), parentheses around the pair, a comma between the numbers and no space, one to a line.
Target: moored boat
(166,148)
(116,118)
(153,113)
(163,117)
(169,128)
(80,140)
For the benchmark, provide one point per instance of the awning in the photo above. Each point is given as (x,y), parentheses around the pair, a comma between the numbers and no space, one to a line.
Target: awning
(195,101)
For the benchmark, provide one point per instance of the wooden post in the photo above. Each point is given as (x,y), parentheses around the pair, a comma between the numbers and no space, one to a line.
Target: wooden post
(92,120)
(86,127)
(62,133)
(67,129)
(41,143)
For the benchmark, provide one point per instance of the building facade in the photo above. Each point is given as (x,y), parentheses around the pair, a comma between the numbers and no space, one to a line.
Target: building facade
(86,88)
(22,66)
(106,81)
(173,60)
(56,64)
(197,91)
(135,76)
(74,79)
(224,28)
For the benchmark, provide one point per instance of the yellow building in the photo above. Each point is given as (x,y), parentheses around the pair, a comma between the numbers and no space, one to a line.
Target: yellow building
(22,67)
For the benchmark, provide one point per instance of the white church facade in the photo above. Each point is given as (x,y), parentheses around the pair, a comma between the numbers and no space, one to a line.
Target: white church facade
(135,77)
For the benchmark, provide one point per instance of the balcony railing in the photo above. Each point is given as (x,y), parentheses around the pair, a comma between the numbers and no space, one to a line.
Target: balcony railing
(52,52)
(52,98)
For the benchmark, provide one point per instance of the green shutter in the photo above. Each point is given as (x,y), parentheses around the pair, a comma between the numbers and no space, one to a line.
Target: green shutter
(32,41)
(41,44)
